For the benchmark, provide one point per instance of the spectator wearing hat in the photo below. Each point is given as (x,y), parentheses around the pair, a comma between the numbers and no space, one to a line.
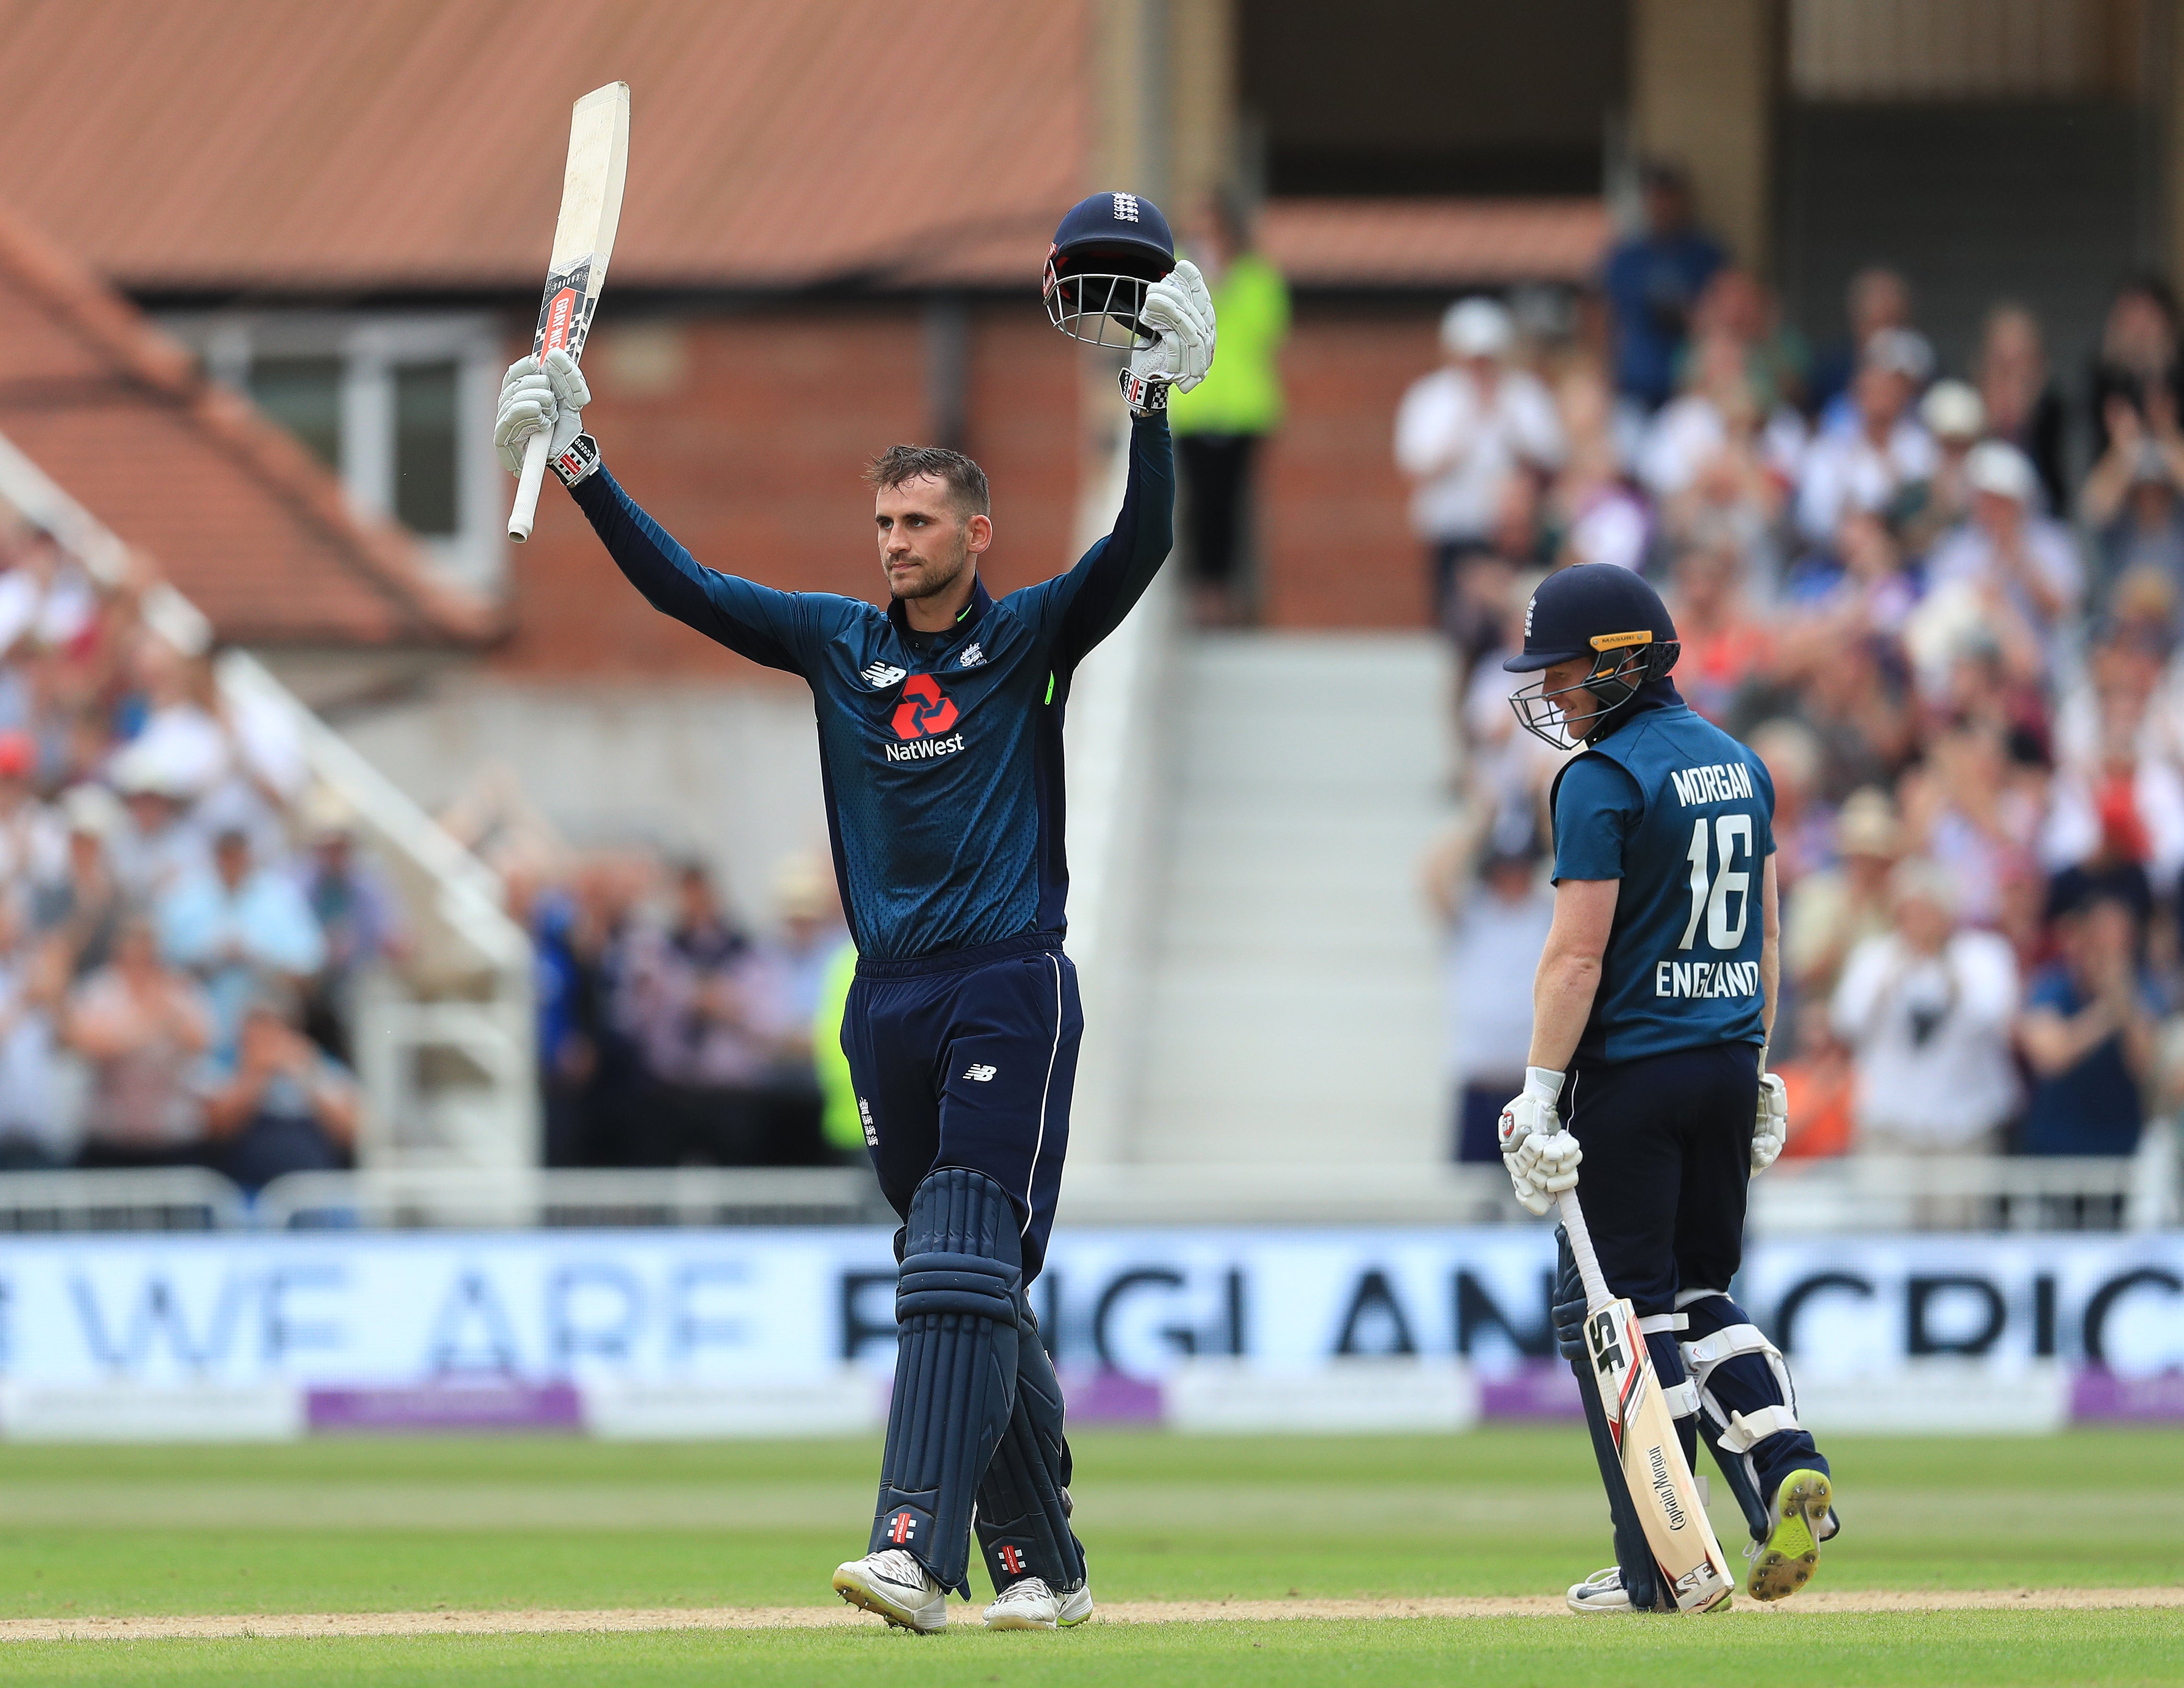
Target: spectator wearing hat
(79,915)
(357,915)
(1652,281)
(2089,1031)
(782,979)
(282,1104)
(162,845)
(1463,432)
(1877,299)
(240,927)
(1831,911)
(1955,416)
(1927,1010)
(2020,401)
(144,1026)
(1496,923)
(1220,425)
(2008,562)
(1885,450)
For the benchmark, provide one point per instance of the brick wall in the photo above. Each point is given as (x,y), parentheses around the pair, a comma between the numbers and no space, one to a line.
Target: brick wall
(1336,547)
(745,434)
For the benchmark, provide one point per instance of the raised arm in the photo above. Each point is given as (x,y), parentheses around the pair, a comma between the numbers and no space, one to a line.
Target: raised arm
(1094,597)
(753,620)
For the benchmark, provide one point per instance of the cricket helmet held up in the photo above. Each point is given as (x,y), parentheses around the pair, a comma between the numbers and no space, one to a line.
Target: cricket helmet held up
(1109,249)
(1599,610)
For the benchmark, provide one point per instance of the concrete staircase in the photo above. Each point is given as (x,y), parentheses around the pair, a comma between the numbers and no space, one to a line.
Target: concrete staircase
(1292,1010)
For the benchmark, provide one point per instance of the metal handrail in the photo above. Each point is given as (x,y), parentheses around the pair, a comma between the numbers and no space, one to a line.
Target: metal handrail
(457,1197)
(1849,1194)
(154,1199)
(481,1006)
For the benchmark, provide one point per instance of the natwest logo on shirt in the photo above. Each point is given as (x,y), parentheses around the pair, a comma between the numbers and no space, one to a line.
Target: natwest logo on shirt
(922,720)
(925,709)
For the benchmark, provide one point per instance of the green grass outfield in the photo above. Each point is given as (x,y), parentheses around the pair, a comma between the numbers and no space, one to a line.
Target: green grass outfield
(379,1526)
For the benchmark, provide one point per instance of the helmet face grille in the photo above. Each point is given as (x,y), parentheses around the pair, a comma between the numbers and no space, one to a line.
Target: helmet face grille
(1098,309)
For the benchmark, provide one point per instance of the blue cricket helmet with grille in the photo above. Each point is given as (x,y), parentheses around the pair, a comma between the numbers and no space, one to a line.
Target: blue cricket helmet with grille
(1109,249)
(1604,612)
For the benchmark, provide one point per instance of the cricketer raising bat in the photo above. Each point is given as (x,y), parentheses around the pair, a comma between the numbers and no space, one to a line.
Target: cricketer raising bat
(583,240)
(1688,1559)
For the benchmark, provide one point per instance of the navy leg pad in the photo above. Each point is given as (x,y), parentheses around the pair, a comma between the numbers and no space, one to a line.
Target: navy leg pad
(957,1308)
(1023,1499)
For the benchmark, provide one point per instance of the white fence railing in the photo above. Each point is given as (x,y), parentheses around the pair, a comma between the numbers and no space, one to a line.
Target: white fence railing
(1849,1196)
(444,1046)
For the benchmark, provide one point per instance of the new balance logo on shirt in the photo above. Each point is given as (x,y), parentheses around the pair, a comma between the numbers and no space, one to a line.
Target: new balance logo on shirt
(882,675)
(981,1075)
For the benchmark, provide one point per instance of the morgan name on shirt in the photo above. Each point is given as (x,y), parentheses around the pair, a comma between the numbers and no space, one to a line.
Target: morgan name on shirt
(1722,782)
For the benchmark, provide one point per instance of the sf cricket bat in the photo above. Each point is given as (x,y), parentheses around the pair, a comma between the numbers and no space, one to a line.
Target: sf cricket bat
(583,240)
(1687,1558)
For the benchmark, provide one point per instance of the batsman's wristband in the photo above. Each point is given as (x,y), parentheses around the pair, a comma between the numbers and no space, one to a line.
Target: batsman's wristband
(1144,394)
(578,460)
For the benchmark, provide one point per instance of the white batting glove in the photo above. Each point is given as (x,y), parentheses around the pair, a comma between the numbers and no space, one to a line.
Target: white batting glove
(1178,313)
(1772,1129)
(532,397)
(1532,1139)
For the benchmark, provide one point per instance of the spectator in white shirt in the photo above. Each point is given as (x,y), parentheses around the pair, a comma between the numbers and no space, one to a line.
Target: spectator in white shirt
(1498,925)
(2007,572)
(1927,1010)
(1888,451)
(33,845)
(1462,432)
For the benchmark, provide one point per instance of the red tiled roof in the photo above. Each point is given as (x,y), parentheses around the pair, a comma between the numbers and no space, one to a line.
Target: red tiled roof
(231,510)
(1434,242)
(393,144)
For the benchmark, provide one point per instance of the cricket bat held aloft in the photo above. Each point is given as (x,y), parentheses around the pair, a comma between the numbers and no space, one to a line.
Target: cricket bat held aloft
(1688,1561)
(583,240)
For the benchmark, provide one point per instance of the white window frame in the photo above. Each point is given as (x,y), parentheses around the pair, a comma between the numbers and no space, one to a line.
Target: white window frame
(371,345)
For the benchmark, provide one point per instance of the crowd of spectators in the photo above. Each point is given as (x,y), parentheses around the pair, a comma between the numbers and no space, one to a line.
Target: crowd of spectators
(670,1031)
(1944,606)
(184,918)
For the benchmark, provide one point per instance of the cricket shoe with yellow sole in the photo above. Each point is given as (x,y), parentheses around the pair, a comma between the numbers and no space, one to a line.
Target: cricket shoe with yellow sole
(1784,1562)
(1030,1604)
(893,1584)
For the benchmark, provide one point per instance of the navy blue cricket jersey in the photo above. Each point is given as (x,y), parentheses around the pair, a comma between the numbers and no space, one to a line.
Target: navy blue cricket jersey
(941,753)
(1683,815)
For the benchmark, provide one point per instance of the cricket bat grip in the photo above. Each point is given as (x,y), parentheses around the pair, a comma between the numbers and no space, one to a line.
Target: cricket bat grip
(526,510)
(1580,1242)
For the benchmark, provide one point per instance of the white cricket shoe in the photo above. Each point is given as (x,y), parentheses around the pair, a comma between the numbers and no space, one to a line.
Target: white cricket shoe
(1602,1592)
(1030,1604)
(893,1585)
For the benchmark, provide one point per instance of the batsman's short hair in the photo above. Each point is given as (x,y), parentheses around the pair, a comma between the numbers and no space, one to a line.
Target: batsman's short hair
(965,480)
